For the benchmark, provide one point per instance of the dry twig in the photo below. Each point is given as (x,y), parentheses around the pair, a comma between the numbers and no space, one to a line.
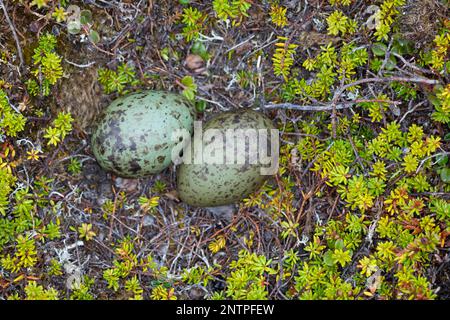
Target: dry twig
(333,104)
(13,30)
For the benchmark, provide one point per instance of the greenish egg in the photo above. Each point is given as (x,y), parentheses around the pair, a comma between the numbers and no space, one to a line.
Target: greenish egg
(134,138)
(204,184)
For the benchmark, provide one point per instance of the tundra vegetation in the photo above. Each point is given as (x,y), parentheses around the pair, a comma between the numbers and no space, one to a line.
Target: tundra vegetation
(360,205)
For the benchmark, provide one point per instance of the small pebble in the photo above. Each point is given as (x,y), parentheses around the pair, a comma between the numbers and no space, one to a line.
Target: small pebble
(127,185)
(148,221)
(223,212)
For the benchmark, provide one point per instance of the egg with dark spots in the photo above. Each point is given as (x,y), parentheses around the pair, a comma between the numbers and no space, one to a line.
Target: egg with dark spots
(135,136)
(228,163)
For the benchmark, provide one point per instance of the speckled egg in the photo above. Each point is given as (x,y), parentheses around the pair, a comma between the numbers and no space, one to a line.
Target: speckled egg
(134,136)
(208,184)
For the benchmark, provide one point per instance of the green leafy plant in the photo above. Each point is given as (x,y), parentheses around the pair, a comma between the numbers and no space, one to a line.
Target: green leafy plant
(194,21)
(48,69)
(234,10)
(120,81)
(278,15)
(385,18)
(11,121)
(189,87)
(338,23)
(283,58)
(149,204)
(442,105)
(81,290)
(340,2)
(248,276)
(330,67)
(34,291)
(85,231)
(62,126)
(74,166)
(438,57)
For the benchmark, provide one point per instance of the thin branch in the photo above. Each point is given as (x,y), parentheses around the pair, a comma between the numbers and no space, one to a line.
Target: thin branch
(325,107)
(12,106)
(412,66)
(411,110)
(213,102)
(240,44)
(386,56)
(431,157)
(80,65)
(13,30)
(333,104)
(443,195)
(293,106)
(390,79)
(334,110)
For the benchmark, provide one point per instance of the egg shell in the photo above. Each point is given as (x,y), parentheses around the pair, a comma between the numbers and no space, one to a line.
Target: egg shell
(134,138)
